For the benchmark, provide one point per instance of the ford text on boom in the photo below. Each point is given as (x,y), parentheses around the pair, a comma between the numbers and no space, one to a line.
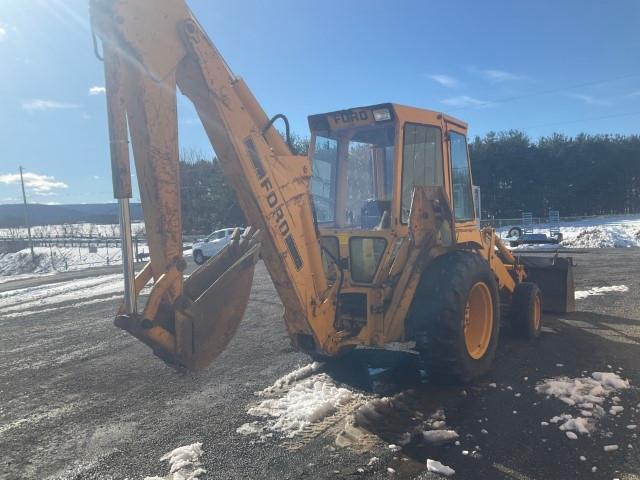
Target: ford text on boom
(277,213)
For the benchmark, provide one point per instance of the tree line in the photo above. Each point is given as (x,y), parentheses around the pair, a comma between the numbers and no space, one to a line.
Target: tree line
(208,201)
(581,175)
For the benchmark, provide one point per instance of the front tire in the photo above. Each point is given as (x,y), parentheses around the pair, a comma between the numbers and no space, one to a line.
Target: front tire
(198,257)
(526,311)
(456,317)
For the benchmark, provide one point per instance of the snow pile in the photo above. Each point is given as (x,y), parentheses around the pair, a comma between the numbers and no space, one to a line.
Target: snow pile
(304,403)
(440,437)
(438,434)
(580,294)
(373,410)
(437,467)
(596,232)
(585,394)
(604,237)
(283,382)
(580,424)
(57,259)
(184,463)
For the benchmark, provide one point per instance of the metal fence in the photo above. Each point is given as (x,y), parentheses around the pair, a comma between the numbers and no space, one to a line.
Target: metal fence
(98,250)
(544,221)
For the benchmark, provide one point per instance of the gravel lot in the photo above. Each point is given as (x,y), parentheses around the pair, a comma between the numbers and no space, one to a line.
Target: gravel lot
(81,399)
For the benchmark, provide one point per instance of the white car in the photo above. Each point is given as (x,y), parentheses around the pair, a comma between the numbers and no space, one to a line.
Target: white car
(211,246)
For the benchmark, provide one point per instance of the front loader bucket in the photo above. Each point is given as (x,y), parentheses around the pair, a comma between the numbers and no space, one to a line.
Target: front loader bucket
(196,329)
(554,277)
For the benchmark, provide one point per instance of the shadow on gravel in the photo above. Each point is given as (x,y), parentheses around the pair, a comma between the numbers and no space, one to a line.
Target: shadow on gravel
(602,324)
(383,372)
(498,419)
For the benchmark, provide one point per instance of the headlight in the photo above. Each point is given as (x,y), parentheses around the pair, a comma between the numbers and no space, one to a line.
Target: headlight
(381,115)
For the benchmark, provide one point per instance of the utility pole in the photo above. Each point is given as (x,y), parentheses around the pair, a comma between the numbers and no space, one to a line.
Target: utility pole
(26,217)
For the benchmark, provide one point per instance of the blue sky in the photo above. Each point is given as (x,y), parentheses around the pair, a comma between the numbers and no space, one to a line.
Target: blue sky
(544,66)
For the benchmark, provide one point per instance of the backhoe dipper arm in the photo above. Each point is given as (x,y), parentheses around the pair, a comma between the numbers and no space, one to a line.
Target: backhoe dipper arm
(150,48)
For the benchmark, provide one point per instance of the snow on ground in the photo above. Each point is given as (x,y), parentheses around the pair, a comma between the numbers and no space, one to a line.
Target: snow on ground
(585,395)
(44,298)
(18,265)
(290,378)
(184,463)
(71,229)
(288,412)
(440,437)
(595,232)
(581,294)
(437,467)
(56,260)
(25,276)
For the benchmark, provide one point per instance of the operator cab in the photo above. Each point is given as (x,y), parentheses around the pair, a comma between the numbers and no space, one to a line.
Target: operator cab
(366,162)
(353,157)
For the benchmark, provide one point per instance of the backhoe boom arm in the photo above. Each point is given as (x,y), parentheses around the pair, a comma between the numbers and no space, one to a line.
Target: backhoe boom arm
(150,49)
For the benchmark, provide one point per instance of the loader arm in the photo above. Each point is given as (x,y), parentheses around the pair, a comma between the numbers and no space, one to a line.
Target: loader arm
(150,49)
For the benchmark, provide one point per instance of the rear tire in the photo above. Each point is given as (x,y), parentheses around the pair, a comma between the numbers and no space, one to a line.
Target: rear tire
(456,317)
(526,311)
(198,257)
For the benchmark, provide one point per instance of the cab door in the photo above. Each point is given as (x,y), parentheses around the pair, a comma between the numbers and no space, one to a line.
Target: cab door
(460,169)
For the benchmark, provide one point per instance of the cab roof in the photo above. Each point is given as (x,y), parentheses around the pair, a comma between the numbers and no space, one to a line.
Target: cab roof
(405,113)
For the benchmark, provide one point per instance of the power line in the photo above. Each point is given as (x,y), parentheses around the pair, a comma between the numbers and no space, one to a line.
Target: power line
(550,91)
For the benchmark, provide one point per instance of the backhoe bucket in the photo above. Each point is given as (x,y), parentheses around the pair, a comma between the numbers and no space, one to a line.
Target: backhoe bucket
(554,277)
(193,331)
(218,293)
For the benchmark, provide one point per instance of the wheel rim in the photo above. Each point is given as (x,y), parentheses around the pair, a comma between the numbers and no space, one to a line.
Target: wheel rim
(478,320)
(537,313)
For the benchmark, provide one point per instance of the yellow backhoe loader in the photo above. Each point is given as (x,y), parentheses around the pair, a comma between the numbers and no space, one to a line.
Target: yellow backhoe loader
(370,239)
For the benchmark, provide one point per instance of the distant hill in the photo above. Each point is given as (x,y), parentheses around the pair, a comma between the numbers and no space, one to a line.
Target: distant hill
(12,215)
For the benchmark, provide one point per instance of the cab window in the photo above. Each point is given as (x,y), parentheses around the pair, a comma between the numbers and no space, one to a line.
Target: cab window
(421,162)
(462,192)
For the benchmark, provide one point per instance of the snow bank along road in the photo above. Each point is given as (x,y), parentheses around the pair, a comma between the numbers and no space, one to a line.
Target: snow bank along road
(81,399)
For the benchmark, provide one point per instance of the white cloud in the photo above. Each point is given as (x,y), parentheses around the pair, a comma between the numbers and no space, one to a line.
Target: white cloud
(3,33)
(444,80)
(589,100)
(39,184)
(635,94)
(96,177)
(39,105)
(97,90)
(464,101)
(499,75)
